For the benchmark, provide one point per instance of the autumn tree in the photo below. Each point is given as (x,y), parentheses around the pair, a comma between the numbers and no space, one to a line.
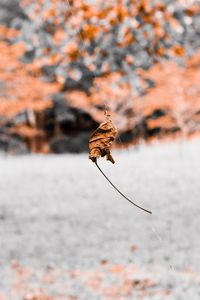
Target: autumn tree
(73,42)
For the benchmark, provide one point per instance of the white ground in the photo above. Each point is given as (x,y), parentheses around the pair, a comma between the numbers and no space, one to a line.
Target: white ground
(60,211)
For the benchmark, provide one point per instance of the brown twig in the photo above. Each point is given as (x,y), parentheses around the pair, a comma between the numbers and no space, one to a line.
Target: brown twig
(148,211)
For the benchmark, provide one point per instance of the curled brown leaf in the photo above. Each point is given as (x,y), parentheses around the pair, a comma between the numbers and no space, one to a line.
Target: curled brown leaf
(101,140)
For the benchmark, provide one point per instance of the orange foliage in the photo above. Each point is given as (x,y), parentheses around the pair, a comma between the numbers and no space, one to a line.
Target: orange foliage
(21,90)
(89,32)
(176,92)
(73,27)
(178,50)
(9,33)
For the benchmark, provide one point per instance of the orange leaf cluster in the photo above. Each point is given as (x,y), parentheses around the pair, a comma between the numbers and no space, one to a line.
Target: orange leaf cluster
(21,90)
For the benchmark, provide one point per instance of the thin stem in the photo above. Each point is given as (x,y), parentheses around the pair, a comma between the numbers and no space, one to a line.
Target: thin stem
(148,211)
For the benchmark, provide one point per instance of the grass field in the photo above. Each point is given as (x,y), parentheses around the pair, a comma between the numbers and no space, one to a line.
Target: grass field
(66,234)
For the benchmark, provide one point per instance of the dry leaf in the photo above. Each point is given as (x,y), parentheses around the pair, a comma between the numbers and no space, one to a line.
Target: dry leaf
(101,140)
(100,145)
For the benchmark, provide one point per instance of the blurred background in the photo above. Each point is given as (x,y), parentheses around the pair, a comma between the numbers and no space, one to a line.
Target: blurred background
(62,64)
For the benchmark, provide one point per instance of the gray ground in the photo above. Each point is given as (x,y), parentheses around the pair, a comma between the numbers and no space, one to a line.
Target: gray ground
(59,211)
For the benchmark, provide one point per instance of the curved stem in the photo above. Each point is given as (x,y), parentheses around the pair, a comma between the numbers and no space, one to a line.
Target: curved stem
(148,211)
